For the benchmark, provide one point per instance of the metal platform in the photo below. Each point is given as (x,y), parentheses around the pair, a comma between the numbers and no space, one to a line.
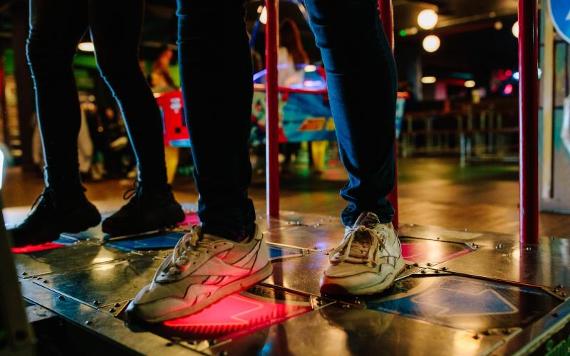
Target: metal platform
(463,293)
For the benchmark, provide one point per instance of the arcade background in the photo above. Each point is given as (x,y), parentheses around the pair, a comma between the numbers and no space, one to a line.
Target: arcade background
(458,143)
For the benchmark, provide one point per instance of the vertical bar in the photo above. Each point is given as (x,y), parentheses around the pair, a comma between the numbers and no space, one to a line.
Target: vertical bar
(528,121)
(272,113)
(387,16)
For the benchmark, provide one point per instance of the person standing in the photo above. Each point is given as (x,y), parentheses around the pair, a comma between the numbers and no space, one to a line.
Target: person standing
(56,27)
(227,252)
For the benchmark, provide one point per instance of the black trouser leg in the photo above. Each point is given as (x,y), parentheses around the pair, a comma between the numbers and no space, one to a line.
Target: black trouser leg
(216,75)
(56,28)
(116,29)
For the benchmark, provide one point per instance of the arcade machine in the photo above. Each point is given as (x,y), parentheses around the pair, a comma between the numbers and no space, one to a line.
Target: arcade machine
(462,293)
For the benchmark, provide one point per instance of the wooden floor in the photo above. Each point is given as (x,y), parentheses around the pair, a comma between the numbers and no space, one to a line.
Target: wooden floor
(432,191)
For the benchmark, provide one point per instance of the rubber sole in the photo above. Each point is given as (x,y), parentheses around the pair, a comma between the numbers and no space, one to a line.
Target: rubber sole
(234,287)
(339,289)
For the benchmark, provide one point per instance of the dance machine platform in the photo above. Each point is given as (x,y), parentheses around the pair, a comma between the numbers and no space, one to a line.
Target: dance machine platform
(463,293)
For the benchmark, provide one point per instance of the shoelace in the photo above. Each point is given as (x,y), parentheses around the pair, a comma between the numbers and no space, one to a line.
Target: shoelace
(342,252)
(190,246)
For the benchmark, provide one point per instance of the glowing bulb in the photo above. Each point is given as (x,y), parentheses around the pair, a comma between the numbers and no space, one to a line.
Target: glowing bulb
(431,43)
(427,19)
(310,68)
(469,84)
(263,16)
(86,47)
(429,80)
(515,29)
(498,25)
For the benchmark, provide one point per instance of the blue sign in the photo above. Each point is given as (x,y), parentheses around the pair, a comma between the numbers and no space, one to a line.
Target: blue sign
(560,14)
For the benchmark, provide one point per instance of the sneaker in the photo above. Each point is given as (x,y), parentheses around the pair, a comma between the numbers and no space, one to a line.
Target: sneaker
(146,211)
(202,270)
(52,215)
(367,261)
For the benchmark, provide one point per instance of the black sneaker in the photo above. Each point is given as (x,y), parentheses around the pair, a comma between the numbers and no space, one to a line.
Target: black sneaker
(52,215)
(147,211)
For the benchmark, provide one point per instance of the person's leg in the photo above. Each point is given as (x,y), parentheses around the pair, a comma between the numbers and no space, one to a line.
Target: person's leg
(369,258)
(216,74)
(357,57)
(115,29)
(227,253)
(56,28)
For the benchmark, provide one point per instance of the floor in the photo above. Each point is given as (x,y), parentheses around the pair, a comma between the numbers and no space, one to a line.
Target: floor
(432,191)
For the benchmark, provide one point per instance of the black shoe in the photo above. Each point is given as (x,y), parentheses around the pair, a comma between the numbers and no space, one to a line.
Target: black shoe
(53,214)
(146,211)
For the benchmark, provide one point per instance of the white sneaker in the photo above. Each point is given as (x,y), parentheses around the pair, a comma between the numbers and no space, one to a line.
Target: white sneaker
(201,270)
(367,261)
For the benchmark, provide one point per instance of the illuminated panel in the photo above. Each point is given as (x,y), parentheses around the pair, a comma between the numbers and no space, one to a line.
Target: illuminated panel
(422,251)
(37,248)
(237,314)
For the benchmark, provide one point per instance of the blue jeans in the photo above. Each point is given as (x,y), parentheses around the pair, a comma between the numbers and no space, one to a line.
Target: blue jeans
(216,76)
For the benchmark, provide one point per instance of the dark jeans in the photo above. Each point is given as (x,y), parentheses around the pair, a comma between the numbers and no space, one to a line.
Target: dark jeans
(217,83)
(115,26)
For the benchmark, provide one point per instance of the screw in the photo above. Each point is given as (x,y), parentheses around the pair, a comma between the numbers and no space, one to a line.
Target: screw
(444,268)
(61,297)
(429,264)
(46,281)
(95,302)
(24,273)
(117,305)
(423,271)
(416,264)
(88,322)
(112,310)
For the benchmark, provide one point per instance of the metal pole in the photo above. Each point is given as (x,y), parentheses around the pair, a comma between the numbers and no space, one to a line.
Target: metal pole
(528,121)
(387,16)
(272,110)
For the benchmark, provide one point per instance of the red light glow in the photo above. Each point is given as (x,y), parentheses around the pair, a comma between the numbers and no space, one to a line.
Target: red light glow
(37,248)
(191,219)
(508,89)
(235,314)
(432,251)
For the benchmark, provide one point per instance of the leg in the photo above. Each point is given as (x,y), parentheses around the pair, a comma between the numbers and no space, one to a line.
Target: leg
(56,28)
(219,125)
(369,258)
(221,257)
(364,118)
(115,28)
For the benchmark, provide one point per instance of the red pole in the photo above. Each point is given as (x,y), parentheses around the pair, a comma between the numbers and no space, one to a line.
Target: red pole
(528,121)
(272,113)
(387,17)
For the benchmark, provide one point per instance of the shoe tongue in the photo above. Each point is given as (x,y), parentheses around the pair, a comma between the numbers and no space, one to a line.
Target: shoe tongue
(360,246)
(368,220)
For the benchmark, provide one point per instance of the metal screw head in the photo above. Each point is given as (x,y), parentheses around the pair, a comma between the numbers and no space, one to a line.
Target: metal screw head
(46,281)
(61,297)
(95,302)
(112,310)
(24,273)
(88,322)
(117,305)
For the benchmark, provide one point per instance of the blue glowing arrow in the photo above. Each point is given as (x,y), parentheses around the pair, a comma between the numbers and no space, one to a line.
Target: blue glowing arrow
(454,302)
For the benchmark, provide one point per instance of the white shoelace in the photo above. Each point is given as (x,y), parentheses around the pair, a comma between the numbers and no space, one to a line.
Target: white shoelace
(190,246)
(342,253)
